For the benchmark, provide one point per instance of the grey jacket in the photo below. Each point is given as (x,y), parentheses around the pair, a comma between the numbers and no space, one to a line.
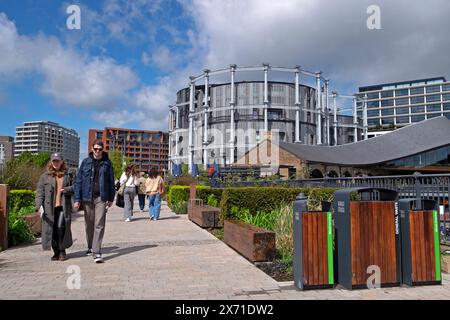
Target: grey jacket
(45,196)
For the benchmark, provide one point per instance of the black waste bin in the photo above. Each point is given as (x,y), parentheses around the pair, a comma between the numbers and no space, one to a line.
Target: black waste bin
(313,246)
(367,237)
(421,261)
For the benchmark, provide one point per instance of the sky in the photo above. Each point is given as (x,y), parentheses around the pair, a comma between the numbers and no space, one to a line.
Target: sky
(125,64)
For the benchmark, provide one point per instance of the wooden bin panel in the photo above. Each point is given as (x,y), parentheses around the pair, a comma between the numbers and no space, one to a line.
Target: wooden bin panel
(372,229)
(315,248)
(422,246)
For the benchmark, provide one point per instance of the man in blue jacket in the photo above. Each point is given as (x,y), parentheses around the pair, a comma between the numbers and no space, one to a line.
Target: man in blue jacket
(94,187)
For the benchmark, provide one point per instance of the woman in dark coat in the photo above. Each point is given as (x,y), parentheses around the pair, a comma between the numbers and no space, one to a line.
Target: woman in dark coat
(53,194)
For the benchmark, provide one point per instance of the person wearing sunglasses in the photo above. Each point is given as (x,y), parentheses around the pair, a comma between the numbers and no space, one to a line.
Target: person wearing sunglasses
(94,188)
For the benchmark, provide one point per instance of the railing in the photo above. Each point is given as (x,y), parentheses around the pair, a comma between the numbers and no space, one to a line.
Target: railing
(435,186)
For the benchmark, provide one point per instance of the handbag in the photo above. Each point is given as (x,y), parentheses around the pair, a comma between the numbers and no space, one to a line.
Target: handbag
(120,201)
(122,188)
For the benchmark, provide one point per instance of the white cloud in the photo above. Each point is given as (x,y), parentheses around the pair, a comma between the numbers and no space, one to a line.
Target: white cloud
(117,118)
(145,59)
(164,59)
(69,77)
(331,36)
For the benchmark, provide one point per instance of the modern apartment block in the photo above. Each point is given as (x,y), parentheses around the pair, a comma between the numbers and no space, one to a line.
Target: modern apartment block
(394,105)
(147,149)
(39,136)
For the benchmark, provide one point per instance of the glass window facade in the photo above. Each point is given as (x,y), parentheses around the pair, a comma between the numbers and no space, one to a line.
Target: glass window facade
(419,99)
(434,98)
(402,92)
(387,112)
(436,157)
(403,101)
(373,113)
(417,90)
(373,95)
(403,110)
(434,107)
(375,122)
(417,109)
(372,104)
(446,87)
(387,120)
(446,106)
(446,97)
(387,94)
(403,119)
(433,89)
(417,118)
(387,103)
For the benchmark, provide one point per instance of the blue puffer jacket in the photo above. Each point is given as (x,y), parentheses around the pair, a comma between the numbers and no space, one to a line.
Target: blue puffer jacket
(84,182)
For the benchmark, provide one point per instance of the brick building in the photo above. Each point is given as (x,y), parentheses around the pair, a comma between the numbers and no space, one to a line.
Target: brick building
(423,147)
(147,149)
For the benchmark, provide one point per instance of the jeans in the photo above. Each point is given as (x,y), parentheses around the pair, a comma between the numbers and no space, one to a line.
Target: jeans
(141,201)
(154,206)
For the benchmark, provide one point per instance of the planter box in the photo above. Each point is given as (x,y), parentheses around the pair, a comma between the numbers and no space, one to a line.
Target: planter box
(445,263)
(205,216)
(34,222)
(255,244)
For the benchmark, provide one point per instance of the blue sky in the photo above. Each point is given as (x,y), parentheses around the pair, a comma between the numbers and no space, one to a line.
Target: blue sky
(125,65)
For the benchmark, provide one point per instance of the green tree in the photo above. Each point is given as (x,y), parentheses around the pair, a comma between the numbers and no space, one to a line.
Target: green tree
(116,158)
(24,171)
(42,158)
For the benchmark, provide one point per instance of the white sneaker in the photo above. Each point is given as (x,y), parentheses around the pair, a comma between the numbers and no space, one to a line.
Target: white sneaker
(98,258)
(127,219)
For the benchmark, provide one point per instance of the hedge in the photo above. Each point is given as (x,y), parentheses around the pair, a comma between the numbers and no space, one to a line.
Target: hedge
(181,193)
(268,198)
(20,199)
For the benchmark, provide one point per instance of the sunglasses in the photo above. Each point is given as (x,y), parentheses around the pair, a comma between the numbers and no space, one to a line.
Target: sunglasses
(98,149)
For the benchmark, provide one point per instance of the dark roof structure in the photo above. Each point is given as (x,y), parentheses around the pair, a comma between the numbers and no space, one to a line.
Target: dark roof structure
(410,82)
(403,142)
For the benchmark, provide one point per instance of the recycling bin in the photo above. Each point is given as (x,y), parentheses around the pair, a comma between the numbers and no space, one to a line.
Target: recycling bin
(421,261)
(367,238)
(313,246)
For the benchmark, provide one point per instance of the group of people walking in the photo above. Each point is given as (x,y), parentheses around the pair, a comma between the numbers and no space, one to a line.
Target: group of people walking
(93,191)
(151,187)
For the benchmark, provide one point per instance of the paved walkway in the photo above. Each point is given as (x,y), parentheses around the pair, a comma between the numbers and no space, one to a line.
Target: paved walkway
(171,258)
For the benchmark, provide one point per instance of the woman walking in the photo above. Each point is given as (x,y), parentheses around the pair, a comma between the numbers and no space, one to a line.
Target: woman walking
(141,191)
(154,187)
(54,202)
(128,182)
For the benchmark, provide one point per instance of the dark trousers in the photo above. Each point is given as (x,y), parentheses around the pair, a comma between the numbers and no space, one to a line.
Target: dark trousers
(58,230)
(141,201)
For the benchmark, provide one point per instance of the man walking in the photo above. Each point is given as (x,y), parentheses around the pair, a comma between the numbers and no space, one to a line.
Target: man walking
(94,186)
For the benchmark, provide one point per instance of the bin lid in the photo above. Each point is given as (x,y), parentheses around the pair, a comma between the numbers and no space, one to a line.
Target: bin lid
(419,204)
(368,194)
